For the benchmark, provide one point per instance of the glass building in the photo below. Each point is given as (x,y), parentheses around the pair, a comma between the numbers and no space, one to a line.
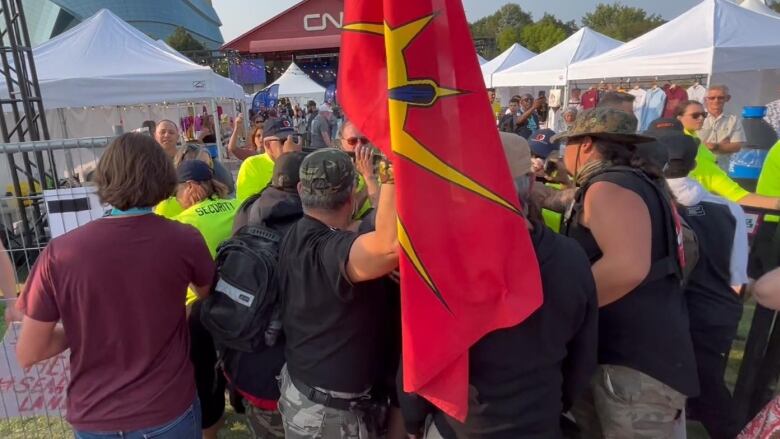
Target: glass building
(156,18)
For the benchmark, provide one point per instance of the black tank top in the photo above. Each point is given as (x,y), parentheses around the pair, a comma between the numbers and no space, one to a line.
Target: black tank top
(646,330)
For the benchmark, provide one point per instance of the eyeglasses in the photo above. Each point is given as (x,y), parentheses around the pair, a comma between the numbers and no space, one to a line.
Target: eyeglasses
(702,115)
(267,141)
(352,141)
(716,98)
(258,122)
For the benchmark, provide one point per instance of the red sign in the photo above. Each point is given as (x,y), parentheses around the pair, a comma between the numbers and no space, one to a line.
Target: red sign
(311,24)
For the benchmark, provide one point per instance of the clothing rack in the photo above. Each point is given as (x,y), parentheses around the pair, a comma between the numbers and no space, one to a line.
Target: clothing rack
(642,81)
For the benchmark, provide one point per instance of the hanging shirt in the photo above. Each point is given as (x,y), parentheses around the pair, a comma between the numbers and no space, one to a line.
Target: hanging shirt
(697,92)
(590,98)
(554,97)
(674,97)
(773,115)
(639,107)
(655,101)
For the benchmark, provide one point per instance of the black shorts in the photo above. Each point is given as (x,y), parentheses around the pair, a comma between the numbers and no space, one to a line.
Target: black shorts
(209,381)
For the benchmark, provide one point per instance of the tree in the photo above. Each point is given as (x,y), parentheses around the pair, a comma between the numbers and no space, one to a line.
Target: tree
(182,41)
(775,6)
(542,35)
(506,23)
(509,36)
(546,33)
(621,22)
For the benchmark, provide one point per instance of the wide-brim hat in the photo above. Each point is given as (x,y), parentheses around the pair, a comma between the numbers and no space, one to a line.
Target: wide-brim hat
(605,123)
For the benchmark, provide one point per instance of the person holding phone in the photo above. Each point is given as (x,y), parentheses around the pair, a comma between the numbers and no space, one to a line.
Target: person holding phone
(255,173)
(528,118)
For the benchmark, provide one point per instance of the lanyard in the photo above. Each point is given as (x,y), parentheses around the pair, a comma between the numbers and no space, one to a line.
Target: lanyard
(132,211)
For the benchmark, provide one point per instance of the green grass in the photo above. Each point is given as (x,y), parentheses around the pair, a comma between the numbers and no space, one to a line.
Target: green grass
(236,428)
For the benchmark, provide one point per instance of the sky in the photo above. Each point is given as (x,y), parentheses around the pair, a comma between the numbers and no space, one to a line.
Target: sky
(239,16)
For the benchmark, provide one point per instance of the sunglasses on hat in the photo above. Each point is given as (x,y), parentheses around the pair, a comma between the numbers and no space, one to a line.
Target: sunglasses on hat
(352,141)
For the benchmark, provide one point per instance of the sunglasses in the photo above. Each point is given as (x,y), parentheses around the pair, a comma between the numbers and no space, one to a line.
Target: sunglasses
(352,141)
(702,115)
(716,98)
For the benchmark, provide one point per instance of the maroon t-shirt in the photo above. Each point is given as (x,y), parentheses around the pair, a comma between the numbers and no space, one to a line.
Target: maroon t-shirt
(118,285)
(674,97)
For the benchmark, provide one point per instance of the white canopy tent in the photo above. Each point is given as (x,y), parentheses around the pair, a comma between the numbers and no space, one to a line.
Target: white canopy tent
(550,68)
(296,84)
(514,55)
(481,60)
(760,7)
(730,44)
(106,62)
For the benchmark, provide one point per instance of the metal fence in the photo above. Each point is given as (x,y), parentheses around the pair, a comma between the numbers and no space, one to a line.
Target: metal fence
(46,191)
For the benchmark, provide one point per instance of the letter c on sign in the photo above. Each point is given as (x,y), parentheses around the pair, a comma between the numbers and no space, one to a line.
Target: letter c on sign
(313,28)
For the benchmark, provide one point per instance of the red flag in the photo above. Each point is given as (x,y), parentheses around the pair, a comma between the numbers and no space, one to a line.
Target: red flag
(410,80)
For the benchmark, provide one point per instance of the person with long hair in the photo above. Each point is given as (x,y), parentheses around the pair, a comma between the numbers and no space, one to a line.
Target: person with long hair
(622,216)
(118,285)
(707,172)
(254,141)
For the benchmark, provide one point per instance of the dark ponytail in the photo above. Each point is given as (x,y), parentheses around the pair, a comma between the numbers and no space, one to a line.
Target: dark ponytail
(623,155)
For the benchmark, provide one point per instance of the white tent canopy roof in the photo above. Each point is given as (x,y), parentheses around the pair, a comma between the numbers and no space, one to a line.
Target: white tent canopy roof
(104,61)
(760,7)
(295,83)
(514,55)
(716,36)
(549,67)
(481,60)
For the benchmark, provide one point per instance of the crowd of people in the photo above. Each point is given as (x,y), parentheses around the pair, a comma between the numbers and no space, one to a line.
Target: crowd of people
(628,340)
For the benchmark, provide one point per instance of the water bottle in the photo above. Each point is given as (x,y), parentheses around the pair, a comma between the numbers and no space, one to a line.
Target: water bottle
(745,166)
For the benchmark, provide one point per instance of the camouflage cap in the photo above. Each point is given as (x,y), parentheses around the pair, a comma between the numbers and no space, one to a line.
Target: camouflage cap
(605,123)
(326,171)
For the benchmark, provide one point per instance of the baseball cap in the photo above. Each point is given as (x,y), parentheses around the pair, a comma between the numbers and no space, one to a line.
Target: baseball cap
(673,150)
(193,170)
(605,123)
(541,144)
(518,154)
(279,127)
(326,171)
(287,171)
(326,107)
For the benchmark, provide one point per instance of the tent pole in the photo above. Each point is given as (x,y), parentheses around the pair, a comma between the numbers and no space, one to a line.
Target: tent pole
(68,154)
(217,127)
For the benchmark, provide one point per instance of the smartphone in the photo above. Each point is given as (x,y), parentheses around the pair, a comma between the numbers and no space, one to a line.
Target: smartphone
(542,94)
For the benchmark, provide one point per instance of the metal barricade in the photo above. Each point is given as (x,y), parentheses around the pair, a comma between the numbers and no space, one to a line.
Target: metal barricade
(41,198)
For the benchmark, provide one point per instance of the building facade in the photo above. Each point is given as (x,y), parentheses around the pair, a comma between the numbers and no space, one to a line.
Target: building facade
(156,18)
(308,33)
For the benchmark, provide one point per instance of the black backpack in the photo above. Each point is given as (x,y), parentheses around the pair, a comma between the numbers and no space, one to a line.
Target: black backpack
(243,311)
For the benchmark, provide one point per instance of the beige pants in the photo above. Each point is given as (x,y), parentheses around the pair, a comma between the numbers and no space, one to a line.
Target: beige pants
(623,403)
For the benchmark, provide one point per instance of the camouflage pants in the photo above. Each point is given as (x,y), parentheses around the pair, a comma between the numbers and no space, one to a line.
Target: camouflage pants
(627,404)
(303,419)
(264,424)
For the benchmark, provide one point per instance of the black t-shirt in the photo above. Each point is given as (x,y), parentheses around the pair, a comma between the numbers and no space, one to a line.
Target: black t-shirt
(647,329)
(522,378)
(331,325)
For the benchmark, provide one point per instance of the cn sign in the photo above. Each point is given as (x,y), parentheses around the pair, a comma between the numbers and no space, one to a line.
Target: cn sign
(320,22)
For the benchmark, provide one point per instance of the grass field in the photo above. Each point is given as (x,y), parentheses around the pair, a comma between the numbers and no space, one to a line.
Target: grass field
(235,428)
